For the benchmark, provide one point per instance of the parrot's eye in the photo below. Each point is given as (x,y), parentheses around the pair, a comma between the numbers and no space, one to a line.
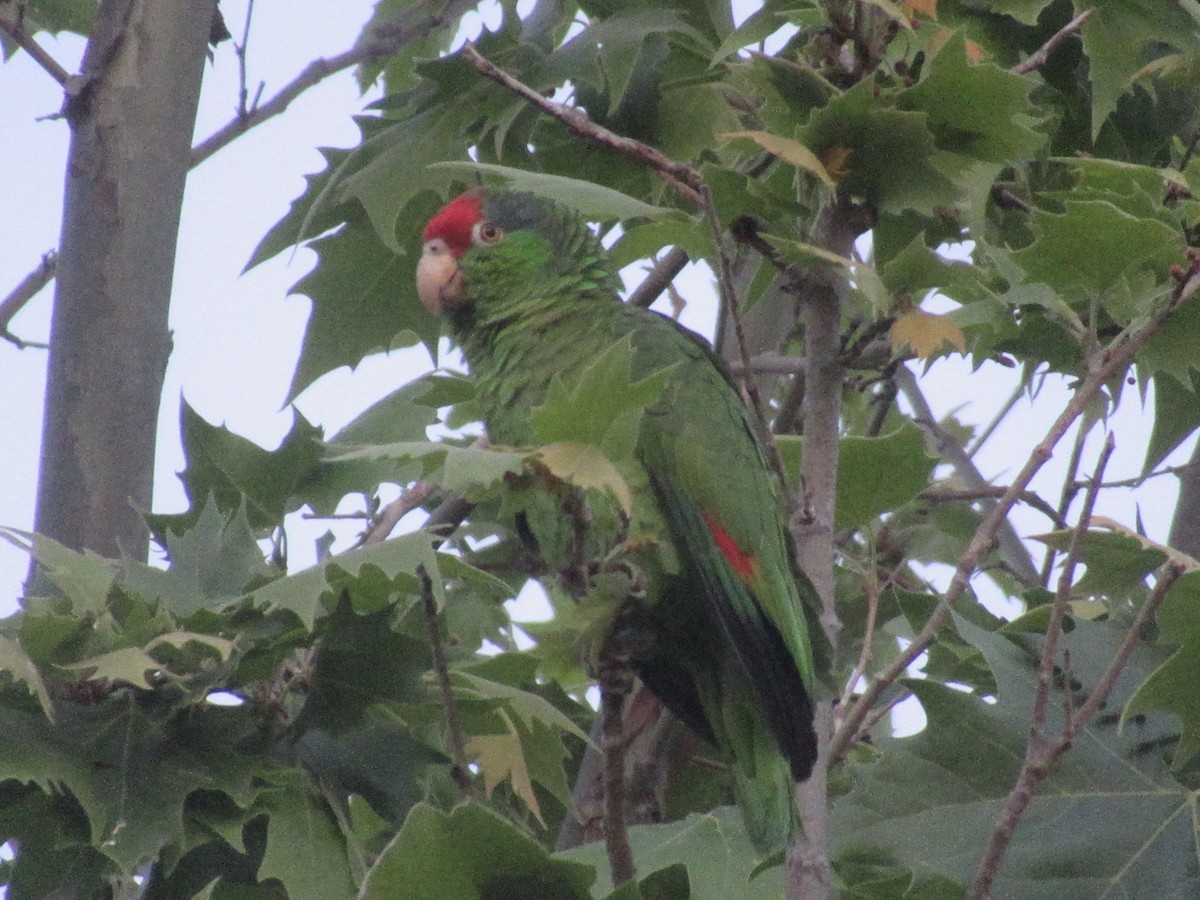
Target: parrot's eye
(487,233)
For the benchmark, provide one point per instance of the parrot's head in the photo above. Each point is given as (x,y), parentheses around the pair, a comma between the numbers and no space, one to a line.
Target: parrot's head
(487,246)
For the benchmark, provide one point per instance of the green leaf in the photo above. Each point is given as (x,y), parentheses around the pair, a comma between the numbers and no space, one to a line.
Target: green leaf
(306,851)
(130,774)
(470,852)
(1117,561)
(719,857)
(211,564)
(237,473)
(1092,243)
(602,407)
(530,708)
(1176,416)
(20,667)
(585,466)
(364,301)
(980,111)
(1115,40)
(875,475)
(1170,688)
(464,469)
(788,150)
(129,665)
(891,160)
(931,802)
(593,201)
(83,578)
(309,593)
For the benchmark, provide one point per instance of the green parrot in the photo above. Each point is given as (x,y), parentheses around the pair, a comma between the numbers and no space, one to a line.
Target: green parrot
(530,296)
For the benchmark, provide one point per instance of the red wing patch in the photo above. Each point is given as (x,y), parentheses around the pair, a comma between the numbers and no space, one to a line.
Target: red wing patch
(742,562)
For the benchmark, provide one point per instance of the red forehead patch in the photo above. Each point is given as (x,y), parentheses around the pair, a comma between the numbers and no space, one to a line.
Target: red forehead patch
(454,221)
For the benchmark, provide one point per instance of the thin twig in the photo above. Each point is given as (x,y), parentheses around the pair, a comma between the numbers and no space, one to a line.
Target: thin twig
(24,292)
(945,495)
(1108,362)
(1157,473)
(410,24)
(1040,56)
(12,24)
(1038,767)
(659,279)
(864,656)
(616,682)
(239,50)
(1070,488)
(1012,550)
(731,304)
(386,519)
(683,177)
(459,769)
(1001,416)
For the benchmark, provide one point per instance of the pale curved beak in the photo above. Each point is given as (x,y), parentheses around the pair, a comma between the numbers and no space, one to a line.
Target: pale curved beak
(439,284)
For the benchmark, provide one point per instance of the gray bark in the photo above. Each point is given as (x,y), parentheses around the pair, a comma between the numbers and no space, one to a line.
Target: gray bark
(131,113)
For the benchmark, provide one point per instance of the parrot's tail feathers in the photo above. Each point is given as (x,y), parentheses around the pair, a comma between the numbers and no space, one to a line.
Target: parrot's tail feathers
(766,793)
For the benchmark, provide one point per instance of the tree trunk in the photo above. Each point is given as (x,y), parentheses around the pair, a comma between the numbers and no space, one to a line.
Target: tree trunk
(131,112)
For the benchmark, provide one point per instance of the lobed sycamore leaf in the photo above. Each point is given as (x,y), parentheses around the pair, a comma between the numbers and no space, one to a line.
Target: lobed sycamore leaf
(16,662)
(721,862)
(83,578)
(591,200)
(501,757)
(585,466)
(926,333)
(470,852)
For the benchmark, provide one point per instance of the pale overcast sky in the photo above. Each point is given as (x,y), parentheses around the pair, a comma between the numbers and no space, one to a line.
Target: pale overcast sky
(237,336)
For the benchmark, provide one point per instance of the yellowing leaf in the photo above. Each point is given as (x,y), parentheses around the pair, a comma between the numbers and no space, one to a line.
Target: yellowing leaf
(786,149)
(925,7)
(499,757)
(975,52)
(926,332)
(585,466)
(837,162)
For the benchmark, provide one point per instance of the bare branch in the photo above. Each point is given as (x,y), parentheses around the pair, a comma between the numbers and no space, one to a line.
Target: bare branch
(12,24)
(387,518)
(1103,366)
(459,770)
(683,177)
(26,291)
(1012,550)
(942,495)
(410,24)
(616,683)
(1039,57)
(659,279)
(1038,763)
(239,50)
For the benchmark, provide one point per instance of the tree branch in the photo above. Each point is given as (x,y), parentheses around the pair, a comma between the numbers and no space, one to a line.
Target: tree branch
(616,683)
(1014,553)
(24,292)
(12,24)
(410,24)
(1105,364)
(683,177)
(1039,57)
(1037,765)
(659,279)
(459,769)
